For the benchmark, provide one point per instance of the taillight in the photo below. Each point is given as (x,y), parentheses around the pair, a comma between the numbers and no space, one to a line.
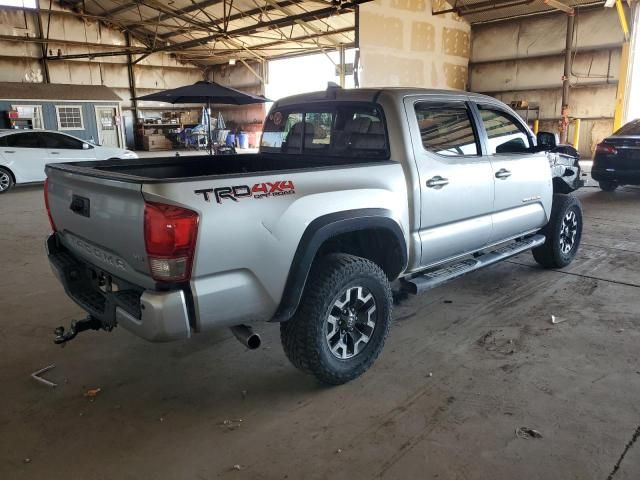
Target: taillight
(46,204)
(606,149)
(170,239)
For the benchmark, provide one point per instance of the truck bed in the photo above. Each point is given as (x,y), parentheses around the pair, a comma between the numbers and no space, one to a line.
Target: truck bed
(168,169)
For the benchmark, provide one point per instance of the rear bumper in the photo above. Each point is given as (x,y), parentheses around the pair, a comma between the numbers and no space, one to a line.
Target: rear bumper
(153,315)
(627,177)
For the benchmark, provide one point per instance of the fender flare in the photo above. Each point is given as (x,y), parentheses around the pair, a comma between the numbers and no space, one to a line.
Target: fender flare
(322,229)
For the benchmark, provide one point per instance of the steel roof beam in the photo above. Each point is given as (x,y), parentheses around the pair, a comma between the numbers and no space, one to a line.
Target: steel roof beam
(180,47)
(125,7)
(235,16)
(261,46)
(482,7)
(269,25)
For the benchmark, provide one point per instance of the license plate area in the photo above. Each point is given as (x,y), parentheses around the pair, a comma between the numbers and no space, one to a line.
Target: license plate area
(94,289)
(102,281)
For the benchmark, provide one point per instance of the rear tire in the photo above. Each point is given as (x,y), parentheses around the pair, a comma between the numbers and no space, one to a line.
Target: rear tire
(343,319)
(6,180)
(563,233)
(607,186)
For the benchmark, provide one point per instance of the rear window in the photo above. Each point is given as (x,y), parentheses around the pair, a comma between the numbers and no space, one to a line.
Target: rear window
(347,131)
(631,128)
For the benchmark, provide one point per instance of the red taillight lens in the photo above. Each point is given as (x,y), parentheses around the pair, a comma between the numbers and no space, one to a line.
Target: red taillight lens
(170,238)
(606,149)
(46,204)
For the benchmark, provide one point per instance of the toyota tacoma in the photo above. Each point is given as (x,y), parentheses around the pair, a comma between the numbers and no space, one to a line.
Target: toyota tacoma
(351,190)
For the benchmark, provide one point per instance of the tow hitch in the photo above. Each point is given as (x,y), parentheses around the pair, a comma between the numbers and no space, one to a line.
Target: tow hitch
(77,326)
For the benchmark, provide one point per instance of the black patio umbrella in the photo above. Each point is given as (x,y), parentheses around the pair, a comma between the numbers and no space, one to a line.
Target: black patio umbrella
(205,92)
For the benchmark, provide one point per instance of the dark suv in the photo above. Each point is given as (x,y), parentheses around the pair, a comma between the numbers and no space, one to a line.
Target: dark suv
(617,159)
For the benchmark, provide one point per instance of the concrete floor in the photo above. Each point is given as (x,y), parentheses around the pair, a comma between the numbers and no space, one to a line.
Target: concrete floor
(465,365)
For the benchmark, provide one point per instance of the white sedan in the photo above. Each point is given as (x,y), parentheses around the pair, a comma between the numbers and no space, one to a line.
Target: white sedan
(24,153)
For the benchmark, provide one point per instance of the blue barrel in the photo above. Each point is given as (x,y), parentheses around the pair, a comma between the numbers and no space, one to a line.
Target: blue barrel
(231,139)
(243,140)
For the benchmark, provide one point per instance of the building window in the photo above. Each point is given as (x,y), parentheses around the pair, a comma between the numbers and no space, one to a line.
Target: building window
(69,117)
(31,114)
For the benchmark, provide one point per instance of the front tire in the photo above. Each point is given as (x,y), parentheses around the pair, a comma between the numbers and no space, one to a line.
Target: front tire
(563,233)
(342,321)
(6,180)
(607,186)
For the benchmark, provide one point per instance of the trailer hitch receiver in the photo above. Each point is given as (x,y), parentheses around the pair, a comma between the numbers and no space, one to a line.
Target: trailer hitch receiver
(77,326)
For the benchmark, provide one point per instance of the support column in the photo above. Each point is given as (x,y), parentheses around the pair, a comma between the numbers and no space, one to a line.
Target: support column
(568,51)
(623,73)
(342,65)
(43,45)
(132,90)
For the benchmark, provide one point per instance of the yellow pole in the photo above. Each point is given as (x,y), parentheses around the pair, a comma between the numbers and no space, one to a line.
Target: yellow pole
(576,133)
(618,113)
(536,126)
(623,19)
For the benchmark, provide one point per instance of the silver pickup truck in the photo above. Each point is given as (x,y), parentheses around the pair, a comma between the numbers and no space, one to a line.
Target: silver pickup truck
(351,190)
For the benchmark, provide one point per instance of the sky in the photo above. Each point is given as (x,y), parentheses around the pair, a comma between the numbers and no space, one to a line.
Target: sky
(19,3)
(291,76)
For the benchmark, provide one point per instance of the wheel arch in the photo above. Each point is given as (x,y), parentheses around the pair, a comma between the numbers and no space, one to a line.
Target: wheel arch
(13,175)
(359,232)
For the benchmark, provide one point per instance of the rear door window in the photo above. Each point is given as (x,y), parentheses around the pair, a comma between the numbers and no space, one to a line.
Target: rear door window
(447,129)
(24,140)
(60,141)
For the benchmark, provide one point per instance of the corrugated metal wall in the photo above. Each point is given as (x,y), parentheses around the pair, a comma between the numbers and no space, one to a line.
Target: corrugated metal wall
(523,60)
(19,60)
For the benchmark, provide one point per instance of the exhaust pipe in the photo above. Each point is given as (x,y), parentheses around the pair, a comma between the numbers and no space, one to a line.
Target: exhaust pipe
(246,336)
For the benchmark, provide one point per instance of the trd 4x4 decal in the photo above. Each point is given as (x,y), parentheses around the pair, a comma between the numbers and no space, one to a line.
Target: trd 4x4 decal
(258,190)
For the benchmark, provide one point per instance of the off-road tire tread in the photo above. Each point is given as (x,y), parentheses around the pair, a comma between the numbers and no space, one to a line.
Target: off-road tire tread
(607,186)
(299,335)
(547,255)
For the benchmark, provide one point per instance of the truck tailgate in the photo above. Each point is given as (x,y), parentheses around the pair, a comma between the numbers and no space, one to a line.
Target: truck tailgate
(90,213)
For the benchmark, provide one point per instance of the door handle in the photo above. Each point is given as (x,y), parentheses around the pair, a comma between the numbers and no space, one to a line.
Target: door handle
(503,173)
(9,151)
(437,182)
(55,153)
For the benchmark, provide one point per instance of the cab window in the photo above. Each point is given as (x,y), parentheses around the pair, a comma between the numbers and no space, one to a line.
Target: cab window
(318,135)
(504,134)
(446,129)
(335,130)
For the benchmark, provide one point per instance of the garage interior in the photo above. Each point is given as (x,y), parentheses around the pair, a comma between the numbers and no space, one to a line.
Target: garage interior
(465,365)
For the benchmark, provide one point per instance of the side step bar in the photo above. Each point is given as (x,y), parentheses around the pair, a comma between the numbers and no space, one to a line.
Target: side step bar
(441,275)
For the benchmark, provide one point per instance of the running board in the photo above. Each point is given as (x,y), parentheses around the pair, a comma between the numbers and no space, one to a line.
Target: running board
(441,275)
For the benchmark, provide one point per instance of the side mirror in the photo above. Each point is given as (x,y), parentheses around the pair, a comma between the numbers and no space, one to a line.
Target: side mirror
(547,140)
(86,146)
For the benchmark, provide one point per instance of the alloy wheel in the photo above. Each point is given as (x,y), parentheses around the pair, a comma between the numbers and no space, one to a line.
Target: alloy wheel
(351,322)
(5,181)
(568,232)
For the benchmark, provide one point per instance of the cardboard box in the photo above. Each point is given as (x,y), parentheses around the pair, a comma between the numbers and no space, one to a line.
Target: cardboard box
(190,117)
(156,142)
